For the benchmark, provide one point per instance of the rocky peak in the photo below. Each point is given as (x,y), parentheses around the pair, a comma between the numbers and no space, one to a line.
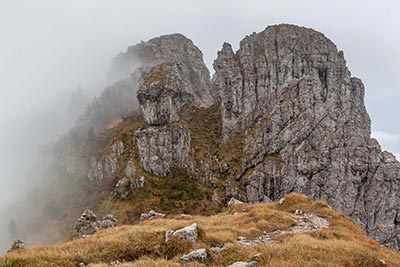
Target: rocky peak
(288,91)
(252,79)
(175,78)
(174,48)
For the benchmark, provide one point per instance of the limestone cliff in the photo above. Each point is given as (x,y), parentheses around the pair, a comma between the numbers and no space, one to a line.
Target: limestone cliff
(288,90)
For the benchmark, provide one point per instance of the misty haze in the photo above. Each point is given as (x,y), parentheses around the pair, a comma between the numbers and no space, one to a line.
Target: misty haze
(199,132)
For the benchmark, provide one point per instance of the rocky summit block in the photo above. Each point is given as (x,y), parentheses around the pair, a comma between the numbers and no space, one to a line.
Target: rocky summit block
(172,48)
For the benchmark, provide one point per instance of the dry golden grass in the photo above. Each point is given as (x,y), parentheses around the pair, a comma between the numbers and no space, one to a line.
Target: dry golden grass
(343,244)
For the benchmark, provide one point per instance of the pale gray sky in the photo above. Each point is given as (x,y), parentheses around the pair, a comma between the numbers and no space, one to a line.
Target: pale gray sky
(48,47)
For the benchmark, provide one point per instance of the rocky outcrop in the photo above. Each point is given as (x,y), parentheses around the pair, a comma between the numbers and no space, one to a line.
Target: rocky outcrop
(88,224)
(17,244)
(288,91)
(124,187)
(107,166)
(234,201)
(174,76)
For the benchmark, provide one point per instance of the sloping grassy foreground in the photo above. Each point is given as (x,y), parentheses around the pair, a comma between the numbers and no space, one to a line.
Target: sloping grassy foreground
(343,244)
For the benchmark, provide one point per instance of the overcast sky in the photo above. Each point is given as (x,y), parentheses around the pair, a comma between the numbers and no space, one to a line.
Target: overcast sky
(48,47)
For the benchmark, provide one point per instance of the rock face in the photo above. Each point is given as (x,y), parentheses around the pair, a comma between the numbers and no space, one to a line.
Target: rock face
(288,91)
(162,148)
(163,92)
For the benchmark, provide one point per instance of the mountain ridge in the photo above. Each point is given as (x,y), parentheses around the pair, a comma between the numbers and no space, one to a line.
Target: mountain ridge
(282,114)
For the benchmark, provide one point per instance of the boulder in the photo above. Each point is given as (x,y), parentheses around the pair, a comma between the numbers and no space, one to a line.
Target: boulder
(244,264)
(234,201)
(17,244)
(196,255)
(188,233)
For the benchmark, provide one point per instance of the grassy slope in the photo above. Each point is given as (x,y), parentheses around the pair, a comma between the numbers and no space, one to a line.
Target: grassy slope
(342,244)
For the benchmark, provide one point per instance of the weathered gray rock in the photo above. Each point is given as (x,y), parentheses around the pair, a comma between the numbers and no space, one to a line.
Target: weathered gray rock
(125,185)
(118,148)
(107,166)
(196,255)
(310,132)
(255,188)
(172,77)
(87,224)
(151,215)
(96,170)
(130,169)
(234,201)
(163,92)
(108,221)
(17,244)
(172,48)
(163,148)
(137,182)
(188,233)
(123,188)
(244,264)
